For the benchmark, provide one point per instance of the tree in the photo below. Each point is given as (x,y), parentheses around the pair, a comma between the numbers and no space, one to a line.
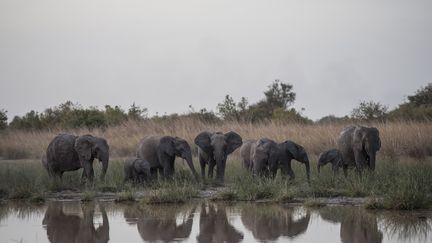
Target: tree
(114,116)
(422,96)
(228,109)
(30,121)
(279,95)
(137,113)
(369,110)
(3,119)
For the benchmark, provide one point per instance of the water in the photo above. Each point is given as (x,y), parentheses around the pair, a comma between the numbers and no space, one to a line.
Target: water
(207,222)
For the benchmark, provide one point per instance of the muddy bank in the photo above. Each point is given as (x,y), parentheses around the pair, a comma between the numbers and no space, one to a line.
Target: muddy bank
(208,193)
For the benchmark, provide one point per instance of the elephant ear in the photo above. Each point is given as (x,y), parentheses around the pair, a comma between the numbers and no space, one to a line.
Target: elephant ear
(167,145)
(84,146)
(233,141)
(291,149)
(203,141)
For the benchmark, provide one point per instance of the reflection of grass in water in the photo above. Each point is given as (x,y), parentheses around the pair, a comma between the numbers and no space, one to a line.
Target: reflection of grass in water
(406,226)
(20,209)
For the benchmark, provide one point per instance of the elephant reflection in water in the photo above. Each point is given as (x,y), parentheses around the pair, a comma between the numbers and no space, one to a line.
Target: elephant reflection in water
(357,225)
(160,223)
(269,222)
(214,225)
(65,228)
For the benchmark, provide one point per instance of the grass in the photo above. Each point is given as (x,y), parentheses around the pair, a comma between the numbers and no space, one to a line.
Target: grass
(406,139)
(126,196)
(394,185)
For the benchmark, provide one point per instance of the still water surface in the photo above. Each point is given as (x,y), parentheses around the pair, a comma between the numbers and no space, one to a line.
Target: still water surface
(207,222)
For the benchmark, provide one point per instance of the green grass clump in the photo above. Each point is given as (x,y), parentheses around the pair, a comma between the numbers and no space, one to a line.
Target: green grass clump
(250,188)
(37,198)
(228,195)
(314,203)
(126,196)
(88,196)
(21,193)
(173,191)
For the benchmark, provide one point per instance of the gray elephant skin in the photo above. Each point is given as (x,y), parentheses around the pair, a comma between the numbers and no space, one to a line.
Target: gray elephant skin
(213,150)
(161,151)
(67,152)
(359,146)
(332,156)
(136,170)
(265,157)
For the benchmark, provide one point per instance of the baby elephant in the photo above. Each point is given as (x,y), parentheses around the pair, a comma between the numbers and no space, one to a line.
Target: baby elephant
(332,156)
(136,170)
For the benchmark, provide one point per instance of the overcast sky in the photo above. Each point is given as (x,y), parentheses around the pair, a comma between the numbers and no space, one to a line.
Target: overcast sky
(167,55)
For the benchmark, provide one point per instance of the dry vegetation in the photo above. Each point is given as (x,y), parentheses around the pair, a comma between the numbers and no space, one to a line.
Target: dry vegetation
(406,139)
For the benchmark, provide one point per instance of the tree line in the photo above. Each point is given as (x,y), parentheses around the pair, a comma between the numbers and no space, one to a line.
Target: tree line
(276,106)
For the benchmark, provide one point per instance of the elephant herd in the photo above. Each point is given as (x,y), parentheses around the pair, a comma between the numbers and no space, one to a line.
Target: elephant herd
(155,155)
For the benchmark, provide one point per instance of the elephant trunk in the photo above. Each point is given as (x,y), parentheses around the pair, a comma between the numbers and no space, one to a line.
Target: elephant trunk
(104,167)
(188,158)
(319,168)
(372,158)
(307,169)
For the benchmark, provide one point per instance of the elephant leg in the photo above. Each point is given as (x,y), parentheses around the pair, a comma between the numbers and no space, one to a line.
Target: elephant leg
(167,172)
(153,173)
(211,166)
(360,162)
(345,170)
(160,171)
(290,172)
(88,169)
(203,165)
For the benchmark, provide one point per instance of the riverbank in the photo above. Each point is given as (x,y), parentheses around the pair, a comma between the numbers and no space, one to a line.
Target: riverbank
(402,185)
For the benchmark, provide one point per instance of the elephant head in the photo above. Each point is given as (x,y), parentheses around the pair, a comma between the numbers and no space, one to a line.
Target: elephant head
(217,146)
(290,150)
(265,154)
(175,146)
(368,141)
(142,167)
(89,148)
(332,156)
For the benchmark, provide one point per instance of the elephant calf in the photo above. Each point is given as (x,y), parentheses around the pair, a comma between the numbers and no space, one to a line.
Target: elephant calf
(136,170)
(332,156)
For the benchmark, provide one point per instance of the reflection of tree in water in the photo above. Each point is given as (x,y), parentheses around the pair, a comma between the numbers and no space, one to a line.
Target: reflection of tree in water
(357,225)
(406,226)
(62,227)
(214,225)
(269,222)
(159,223)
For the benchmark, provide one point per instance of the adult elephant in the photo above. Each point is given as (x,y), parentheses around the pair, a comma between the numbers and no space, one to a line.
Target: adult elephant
(213,149)
(265,157)
(358,146)
(161,151)
(67,152)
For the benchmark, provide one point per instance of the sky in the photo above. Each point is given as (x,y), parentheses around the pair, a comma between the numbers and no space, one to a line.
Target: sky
(168,54)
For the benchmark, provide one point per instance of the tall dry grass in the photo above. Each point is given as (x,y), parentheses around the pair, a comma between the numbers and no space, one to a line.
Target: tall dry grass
(412,139)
